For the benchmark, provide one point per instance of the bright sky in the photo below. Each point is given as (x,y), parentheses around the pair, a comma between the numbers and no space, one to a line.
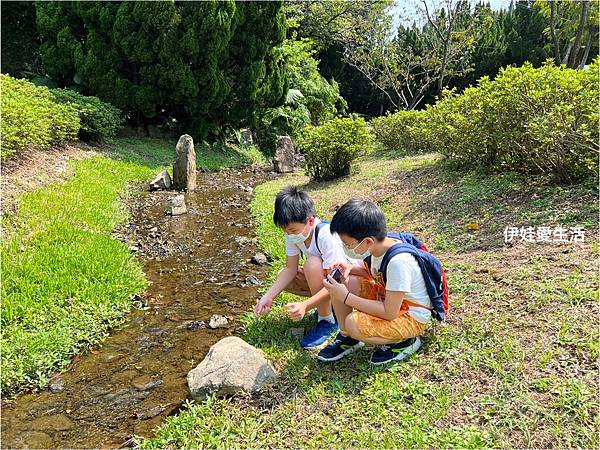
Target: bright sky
(408,9)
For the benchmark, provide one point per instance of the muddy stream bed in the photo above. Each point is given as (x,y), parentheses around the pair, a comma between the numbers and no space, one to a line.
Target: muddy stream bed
(198,265)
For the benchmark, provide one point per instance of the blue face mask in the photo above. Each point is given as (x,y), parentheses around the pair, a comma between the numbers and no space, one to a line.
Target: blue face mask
(352,254)
(295,238)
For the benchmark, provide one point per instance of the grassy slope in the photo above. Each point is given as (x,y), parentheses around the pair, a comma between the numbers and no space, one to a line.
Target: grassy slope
(65,280)
(515,366)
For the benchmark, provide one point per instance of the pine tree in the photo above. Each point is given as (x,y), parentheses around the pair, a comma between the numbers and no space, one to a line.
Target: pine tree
(209,65)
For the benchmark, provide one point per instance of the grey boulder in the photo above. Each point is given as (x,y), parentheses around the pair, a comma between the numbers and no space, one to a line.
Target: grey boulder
(161,182)
(231,366)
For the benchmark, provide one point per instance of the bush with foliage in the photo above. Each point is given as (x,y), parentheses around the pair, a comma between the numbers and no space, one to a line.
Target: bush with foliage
(330,149)
(32,118)
(529,120)
(99,120)
(209,65)
(310,99)
(402,132)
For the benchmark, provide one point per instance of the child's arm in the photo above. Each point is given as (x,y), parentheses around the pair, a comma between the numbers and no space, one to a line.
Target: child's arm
(284,278)
(350,269)
(388,309)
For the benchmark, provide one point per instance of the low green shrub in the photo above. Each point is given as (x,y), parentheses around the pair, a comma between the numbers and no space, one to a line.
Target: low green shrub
(330,148)
(528,120)
(402,132)
(31,117)
(99,120)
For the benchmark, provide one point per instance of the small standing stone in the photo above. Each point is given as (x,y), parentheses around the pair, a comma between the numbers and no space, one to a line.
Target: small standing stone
(184,166)
(177,205)
(259,259)
(217,321)
(161,182)
(57,385)
(285,155)
(247,137)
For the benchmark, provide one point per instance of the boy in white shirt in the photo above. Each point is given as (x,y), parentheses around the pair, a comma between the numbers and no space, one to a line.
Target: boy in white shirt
(402,308)
(308,236)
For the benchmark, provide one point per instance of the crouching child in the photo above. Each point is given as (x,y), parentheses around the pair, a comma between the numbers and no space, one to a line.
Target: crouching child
(307,236)
(390,300)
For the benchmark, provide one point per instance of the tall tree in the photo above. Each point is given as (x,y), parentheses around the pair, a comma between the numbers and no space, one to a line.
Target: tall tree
(573,29)
(209,65)
(405,66)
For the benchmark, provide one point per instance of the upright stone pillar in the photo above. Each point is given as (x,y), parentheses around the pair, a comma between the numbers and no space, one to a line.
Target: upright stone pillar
(184,166)
(285,155)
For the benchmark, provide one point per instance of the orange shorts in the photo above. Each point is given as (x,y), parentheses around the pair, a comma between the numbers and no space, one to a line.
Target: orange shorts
(401,328)
(299,285)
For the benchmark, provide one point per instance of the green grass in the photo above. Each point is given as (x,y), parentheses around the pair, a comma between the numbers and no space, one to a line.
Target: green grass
(65,280)
(514,367)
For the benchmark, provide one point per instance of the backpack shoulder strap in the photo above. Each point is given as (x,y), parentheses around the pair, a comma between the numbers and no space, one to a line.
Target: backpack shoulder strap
(317,229)
(393,251)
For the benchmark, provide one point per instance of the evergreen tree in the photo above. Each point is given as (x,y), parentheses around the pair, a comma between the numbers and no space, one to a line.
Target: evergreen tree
(209,65)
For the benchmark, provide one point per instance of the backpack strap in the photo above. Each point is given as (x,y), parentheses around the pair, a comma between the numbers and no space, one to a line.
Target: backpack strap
(317,229)
(391,252)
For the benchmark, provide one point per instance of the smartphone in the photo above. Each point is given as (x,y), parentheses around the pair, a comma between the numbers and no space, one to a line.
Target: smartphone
(336,274)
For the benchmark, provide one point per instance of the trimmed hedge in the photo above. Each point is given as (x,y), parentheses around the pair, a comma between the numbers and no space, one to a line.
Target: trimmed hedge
(529,120)
(330,149)
(31,117)
(99,120)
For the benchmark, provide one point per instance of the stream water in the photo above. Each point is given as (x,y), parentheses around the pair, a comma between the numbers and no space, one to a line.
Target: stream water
(198,265)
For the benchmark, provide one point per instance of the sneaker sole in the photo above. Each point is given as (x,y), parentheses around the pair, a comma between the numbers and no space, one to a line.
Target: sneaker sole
(341,355)
(404,354)
(316,347)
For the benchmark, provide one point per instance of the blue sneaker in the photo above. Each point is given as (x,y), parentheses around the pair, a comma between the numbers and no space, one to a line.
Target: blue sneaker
(340,347)
(395,352)
(318,334)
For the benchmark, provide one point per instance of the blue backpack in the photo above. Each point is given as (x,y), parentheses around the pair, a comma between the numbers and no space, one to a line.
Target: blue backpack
(431,268)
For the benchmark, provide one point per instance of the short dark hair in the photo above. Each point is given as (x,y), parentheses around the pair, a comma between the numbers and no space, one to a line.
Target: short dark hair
(292,205)
(359,219)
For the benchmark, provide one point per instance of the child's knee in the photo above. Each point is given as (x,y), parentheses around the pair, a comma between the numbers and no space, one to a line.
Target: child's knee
(313,266)
(351,327)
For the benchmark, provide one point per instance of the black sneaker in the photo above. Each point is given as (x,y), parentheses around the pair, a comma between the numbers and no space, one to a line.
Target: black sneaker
(340,347)
(395,352)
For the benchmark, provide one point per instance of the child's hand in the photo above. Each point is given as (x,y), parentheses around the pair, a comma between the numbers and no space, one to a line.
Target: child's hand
(296,311)
(345,267)
(337,291)
(263,306)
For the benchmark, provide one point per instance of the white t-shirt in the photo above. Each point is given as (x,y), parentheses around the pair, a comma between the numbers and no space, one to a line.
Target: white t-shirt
(330,247)
(404,275)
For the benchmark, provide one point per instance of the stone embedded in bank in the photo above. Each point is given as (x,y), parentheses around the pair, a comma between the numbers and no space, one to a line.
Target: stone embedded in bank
(231,366)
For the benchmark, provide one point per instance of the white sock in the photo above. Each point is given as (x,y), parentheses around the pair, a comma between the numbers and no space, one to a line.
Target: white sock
(328,318)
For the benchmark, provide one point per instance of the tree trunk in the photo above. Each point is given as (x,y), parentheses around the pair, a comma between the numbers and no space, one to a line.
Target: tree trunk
(552,4)
(586,53)
(444,62)
(585,7)
(567,54)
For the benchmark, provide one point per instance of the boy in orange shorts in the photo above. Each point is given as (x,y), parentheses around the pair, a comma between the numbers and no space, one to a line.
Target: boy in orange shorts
(388,307)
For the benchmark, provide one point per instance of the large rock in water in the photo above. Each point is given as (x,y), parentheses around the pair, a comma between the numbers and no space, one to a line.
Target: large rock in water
(231,366)
(285,155)
(184,166)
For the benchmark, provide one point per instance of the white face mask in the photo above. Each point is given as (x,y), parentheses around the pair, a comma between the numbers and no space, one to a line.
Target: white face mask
(352,254)
(295,238)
